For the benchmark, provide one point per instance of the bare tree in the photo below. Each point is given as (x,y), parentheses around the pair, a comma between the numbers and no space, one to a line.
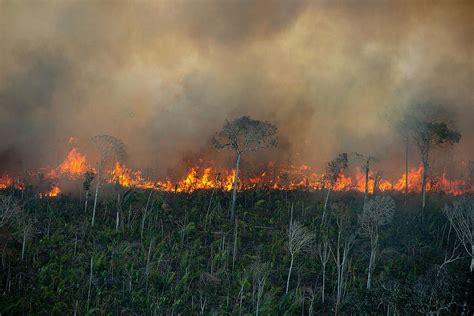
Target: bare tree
(242,135)
(334,169)
(110,148)
(323,252)
(340,253)
(9,208)
(366,163)
(260,272)
(461,217)
(376,213)
(298,238)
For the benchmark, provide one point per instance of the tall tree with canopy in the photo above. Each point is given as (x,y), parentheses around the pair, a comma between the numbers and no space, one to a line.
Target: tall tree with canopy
(110,148)
(429,135)
(242,135)
(426,126)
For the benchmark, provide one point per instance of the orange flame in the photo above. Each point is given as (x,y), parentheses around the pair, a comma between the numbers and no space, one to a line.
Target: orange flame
(289,177)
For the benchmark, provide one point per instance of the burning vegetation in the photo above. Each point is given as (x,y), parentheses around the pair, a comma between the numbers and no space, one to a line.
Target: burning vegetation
(205,177)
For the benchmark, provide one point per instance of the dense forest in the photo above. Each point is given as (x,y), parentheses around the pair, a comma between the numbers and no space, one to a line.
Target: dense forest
(156,253)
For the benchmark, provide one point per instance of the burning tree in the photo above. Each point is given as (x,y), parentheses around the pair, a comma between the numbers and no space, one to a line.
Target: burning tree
(242,135)
(109,148)
(376,213)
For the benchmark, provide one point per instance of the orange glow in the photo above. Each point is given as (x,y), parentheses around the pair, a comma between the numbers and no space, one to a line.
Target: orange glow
(54,191)
(291,177)
(6,182)
(74,164)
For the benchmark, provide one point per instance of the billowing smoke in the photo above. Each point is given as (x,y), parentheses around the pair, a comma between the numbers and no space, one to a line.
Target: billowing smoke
(164,75)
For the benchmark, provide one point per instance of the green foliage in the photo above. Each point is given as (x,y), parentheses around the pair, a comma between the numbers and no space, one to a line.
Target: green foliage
(188,269)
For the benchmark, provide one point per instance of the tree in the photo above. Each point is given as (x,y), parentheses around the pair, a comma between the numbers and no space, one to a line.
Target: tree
(334,169)
(340,251)
(376,213)
(9,208)
(244,135)
(298,238)
(461,217)
(403,128)
(260,272)
(429,135)
(367,161)
(323,253)
(109,148)
(88,178)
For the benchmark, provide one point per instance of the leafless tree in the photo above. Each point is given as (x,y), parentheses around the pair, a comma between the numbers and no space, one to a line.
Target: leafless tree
(376,213)
(260,272)
(461,217)
(323,253)
(9,208)
(110,148)
(298,239)
(340,253)
(334,169)
(366,163)
(242,135)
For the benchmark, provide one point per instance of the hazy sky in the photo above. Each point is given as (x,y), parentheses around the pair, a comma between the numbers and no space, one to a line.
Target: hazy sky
(164,75)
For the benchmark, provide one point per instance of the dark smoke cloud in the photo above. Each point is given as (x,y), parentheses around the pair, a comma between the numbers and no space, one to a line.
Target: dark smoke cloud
(164,75)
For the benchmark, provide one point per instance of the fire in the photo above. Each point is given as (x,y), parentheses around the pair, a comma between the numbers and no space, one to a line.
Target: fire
(6,182)
(289,177)
(55,190)
(74,164)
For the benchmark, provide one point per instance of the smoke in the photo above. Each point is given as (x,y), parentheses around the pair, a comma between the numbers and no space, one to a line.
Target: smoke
(164,75)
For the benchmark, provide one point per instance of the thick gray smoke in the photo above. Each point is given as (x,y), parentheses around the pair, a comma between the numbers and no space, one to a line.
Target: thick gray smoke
(164,75)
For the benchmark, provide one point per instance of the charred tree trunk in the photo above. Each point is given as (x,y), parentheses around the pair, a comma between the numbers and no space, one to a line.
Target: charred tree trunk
(425,180)
(366,194)
(234,191)
(406,171)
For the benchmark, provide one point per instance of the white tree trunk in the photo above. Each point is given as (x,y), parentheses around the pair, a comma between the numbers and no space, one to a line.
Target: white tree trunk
(472,258)
(87,199)
(289,275)
(96,195)
(371,268)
